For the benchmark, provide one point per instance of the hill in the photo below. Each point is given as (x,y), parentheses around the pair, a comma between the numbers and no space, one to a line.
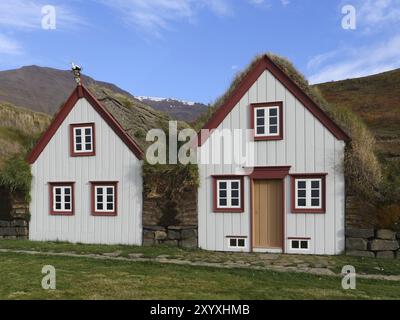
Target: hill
(376,99)
(45,89)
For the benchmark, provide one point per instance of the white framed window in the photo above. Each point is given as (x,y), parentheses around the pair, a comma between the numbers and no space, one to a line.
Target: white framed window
(62,198)
(267,121)
(83,137)
(300,244)
(308,193)
(229,194)
(237,242)
(104,198)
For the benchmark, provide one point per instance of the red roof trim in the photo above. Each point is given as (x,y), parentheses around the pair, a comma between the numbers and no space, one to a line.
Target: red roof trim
(78,93)
(267,64)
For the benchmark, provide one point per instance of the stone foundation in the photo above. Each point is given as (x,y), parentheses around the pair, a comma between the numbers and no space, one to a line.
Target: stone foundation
(15,229)
(181,236)
(372,243)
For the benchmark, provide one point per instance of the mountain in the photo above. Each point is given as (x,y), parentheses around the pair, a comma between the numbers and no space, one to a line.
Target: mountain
(376,99)
(45,89)
(177,109)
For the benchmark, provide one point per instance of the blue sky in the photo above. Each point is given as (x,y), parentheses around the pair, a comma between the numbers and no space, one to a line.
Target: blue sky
(191,49)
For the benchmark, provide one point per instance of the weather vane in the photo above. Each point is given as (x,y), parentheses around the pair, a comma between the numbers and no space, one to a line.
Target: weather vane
(76,70)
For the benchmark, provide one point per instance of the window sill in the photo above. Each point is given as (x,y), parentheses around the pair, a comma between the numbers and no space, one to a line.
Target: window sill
(104,214)
(227,210)
(321,211)
(268,138)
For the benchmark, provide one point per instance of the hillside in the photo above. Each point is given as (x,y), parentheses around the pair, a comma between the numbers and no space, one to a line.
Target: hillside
(45,89)
(19,128)
(376,99)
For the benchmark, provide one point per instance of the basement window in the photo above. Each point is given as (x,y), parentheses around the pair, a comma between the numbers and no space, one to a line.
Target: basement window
(237,242)
(299,244)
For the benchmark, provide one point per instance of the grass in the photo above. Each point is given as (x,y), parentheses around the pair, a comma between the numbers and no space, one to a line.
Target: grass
(83,278)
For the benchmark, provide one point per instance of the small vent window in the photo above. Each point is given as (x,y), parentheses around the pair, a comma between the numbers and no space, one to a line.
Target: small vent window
(299,244)
(237,243)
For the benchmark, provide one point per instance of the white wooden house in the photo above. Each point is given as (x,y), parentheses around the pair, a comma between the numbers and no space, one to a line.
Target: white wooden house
(87,182)
(292,199)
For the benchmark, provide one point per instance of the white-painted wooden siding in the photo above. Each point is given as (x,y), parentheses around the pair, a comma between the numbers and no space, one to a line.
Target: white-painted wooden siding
(113,162)
(307,146)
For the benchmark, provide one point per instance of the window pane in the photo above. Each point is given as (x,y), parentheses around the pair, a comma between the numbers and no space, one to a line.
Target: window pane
(301,184)
(235,193)
(241,243)
(222,185)
(273,112)
(315,193)
(235,202)
(58,206)
(58,190)
(67,199)
(273,129)
(88,139)
(260,130)
(304,244)
(260,113)
(222,202)
(222,194)
(99,206)
(315,202)
(295,244)
(78,132)
(78,140)
(67,206)
(99,198)
(99,190)
(301,202)
(110,206)
(78,147)
(88,147)
(88,132)
(110,199)
(301,193)
(235,185)
(273,120)
(315,184)
(232,242)
(58,198)
(67,191)
(260,121)
(110,190)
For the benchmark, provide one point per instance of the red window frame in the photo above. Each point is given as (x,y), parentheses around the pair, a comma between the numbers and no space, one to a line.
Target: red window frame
(295,177)
(278,104)
(52,185)
(72,140)
(217,178)
(95,184)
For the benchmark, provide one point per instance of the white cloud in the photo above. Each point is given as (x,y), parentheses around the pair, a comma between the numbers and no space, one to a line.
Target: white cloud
(27,15)
(9,46)
(357,62)
(372,13)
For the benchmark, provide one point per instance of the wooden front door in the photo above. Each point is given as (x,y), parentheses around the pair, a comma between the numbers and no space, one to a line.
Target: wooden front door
(267,214)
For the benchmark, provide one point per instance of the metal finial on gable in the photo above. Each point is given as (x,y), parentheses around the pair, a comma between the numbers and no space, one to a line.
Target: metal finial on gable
(76,70)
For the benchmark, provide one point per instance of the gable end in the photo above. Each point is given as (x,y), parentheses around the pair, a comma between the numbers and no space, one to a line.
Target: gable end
(266,63)
(78,93)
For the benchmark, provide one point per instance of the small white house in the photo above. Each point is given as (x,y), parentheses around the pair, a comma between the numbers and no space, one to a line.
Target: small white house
(87,181)
(292,198)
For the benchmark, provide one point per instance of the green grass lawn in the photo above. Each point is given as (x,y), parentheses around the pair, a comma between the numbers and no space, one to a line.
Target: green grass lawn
(85,278)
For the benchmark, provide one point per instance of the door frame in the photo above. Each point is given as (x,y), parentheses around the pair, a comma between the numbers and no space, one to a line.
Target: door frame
(268,173)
